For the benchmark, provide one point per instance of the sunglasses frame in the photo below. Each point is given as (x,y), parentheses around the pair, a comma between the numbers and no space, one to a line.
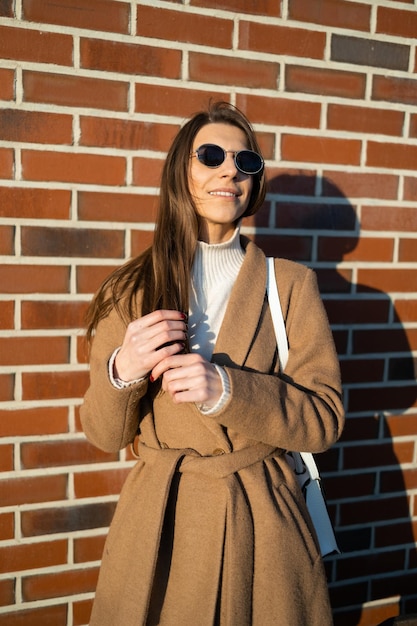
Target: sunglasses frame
(236,153)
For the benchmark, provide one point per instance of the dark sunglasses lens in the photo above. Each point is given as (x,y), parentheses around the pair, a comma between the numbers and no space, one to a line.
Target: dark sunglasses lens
(211,155)
(249,162)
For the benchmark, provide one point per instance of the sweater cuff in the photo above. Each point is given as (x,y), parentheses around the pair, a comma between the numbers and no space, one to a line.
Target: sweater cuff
(118,382)
(223,398)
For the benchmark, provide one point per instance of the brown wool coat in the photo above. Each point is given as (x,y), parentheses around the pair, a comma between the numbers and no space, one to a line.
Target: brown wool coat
(211,527)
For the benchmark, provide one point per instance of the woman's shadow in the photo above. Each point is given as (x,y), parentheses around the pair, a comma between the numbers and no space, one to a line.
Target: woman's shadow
(365,484)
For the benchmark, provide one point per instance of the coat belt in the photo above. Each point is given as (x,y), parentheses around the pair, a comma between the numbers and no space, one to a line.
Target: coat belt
(238,534)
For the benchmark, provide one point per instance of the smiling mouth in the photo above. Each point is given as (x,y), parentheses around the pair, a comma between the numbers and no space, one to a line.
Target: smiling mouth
(225,194)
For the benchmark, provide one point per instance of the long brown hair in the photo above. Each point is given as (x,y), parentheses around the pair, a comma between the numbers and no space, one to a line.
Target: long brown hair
(163,270)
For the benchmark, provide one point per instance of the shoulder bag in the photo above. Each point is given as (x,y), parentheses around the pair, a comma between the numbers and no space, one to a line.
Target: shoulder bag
(303,463)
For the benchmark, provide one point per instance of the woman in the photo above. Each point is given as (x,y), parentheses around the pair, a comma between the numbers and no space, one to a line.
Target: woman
(211,526)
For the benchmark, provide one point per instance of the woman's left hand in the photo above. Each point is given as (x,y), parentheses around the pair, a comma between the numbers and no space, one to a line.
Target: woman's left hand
(189,378)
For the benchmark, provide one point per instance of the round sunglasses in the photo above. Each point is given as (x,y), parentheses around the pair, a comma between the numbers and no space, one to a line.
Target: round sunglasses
(246,161)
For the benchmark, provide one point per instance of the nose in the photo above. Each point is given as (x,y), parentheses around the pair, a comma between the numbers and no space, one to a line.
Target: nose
(228,167)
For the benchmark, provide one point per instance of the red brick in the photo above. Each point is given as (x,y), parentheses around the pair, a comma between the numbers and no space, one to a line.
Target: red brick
(360,429)
(116,207)
(381,399)
(90,277)
(320,149)
(54,385)
(126,134)
(66,519)
(23,44)
(7,315)
(185,27)
(30,556)
(57,453)
(128,58)
(401,584)
(368,615)
(358,311)
(233,71)
(354,15)
(398,480)
(384,340)
(72,167)
(406,310)
(325,82)
(75,91)
(24,202)
(366,249)
(276,39)
(394,89)
(7,83)
(7,234)
(408,250)
(365,120)
(37,421)
(413,124)
(360,185)
(102,15)
(265,8)
(16,491)
(377,510)
(7,8)
(33,350)
(410,188)
(100,483)
(382,218)
(49,241)
(34,279)
(81,612)
(6,458)
(35,126)
(393,21)
(88,548)
(140,240)
(147,172)
(162,100)
(6,527)
(7,596)
(296,248)
(280,111)
(385,455)
(397,533)
(82,350)
(53,314)
(6,163)
(394,156)
(6,387)
(370,563)
(350,487)
(46,616)
(387,280)
(59,584)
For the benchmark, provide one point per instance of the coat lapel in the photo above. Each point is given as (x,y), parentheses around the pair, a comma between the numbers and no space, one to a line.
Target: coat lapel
(244,310)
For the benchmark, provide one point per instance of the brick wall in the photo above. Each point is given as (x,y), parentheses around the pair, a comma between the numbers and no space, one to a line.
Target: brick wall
(91,94)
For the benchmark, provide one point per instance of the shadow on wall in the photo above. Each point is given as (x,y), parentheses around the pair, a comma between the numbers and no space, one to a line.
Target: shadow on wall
(363,478)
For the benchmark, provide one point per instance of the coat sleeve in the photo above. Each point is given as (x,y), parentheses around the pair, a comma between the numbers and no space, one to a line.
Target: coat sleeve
(109,416)
(300,409)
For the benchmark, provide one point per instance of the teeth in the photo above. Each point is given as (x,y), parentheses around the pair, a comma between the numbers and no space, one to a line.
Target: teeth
(228,194)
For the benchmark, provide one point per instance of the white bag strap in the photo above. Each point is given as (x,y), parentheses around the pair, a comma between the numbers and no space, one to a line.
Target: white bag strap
(276,312)
(282,343)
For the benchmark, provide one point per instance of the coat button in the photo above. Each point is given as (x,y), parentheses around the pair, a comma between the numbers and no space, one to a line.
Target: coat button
(218,451)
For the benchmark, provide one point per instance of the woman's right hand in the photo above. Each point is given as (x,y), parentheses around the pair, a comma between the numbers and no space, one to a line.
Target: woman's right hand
(142,345)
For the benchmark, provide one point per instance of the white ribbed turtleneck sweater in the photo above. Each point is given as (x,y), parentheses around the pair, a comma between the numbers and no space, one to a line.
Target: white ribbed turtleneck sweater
(214,272)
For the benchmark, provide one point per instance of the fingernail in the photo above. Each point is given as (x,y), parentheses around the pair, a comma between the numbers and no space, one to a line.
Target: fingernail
(151,378)
(184,316)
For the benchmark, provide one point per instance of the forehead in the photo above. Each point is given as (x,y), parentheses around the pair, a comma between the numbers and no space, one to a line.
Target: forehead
(225,135)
